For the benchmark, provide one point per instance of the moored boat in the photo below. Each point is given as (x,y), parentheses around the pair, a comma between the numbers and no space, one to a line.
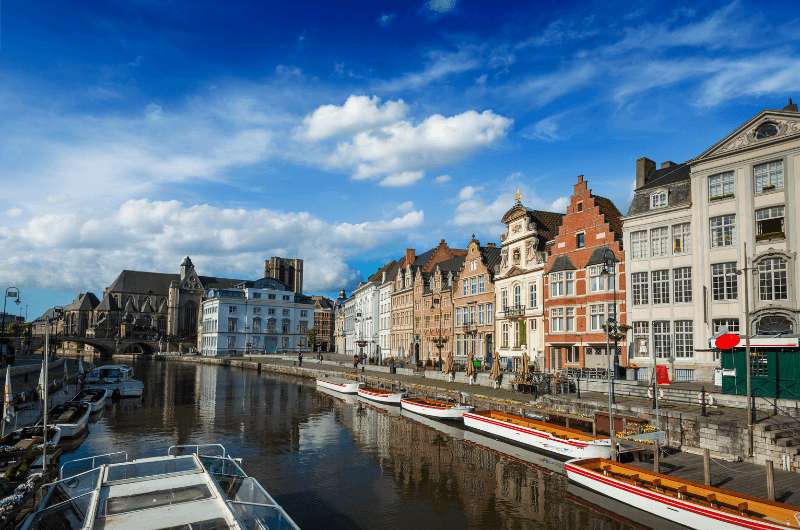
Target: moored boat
(23,439)
(350,399)
(434,408)
(678,500)
(189,487)
(538,434)
(380,395)
(117,379)
(71,417)
(338,384)
(95,397)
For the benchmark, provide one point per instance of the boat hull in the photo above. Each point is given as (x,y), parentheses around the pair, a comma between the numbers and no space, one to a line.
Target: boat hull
(124,389)
(392,398)
(536,439)
(669,508)
(75,429)
(441,413)
(344,388)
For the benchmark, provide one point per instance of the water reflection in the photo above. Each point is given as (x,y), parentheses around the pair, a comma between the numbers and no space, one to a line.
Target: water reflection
(343,464)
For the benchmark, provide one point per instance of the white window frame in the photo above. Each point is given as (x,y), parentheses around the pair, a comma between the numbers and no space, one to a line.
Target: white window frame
(640,244)
(684,339)
(658,199)
(682,285)
(724,281)
(660,280)
(640,287)
(681,238)
(722,230)
(721,185)
(659,241)
(768,175)
(773,279)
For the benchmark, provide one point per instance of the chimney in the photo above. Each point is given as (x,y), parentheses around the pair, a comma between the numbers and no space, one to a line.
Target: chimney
(791,106)
(667,163)
(644,168)
(410,256)
(383,277)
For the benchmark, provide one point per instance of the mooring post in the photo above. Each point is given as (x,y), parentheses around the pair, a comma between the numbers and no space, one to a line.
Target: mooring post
(703,401)
(706,467)
(770,481)
(656,456)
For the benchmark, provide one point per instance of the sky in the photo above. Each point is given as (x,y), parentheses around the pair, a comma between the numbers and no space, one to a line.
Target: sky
(133,133)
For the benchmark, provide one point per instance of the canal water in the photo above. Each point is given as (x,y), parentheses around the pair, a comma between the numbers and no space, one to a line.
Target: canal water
(337,464)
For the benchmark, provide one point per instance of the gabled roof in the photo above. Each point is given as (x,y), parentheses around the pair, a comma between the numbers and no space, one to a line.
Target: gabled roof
(667,175)
(547,222)
(562,263)
(84,302)
(109,303)
(611,214)
(453,264)
(141,282)
(598,256)
(491,257)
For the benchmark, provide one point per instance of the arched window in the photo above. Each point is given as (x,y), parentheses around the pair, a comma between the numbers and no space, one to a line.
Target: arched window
(772,279)
(257,325)
(517,296)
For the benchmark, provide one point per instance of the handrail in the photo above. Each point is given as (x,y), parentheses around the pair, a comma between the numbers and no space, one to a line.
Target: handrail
(92,458)
(196,448)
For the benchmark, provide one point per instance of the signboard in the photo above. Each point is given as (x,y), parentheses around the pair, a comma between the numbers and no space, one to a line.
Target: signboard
(727,341)
(12,293)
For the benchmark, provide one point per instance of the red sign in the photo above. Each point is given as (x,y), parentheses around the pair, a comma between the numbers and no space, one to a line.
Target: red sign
(727,341)
(662,376)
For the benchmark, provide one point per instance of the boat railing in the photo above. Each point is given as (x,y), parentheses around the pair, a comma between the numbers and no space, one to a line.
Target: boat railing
(82,465)
(198,449)
(73,498)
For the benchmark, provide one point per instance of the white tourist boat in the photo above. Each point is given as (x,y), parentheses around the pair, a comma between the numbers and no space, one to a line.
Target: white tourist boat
(538,434)
(380,395)
(433,408)
(338,384)
(350,399)
(71,418)
(680,501)
(95,397)
(189,487)
(117,379)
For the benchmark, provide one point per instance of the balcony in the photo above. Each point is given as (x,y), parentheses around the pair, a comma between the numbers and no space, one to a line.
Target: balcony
(514,311)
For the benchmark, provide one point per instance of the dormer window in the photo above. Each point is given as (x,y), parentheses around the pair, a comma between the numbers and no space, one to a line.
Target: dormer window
(658,199)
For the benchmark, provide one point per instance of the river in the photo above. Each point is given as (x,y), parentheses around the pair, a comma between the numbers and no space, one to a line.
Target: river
(335,464)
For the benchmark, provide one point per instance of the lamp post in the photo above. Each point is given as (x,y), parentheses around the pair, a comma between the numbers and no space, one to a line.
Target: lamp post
(609,272)
(439,341)
(751,406)
(57,312)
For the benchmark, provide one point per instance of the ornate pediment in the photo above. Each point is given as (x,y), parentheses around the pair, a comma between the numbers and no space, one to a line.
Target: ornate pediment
(765,128)
(192,282)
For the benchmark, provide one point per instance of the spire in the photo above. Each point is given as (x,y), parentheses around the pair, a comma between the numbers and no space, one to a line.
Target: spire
(791,106)
(518,196)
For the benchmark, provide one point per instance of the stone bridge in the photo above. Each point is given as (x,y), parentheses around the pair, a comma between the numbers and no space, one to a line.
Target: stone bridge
(104,346)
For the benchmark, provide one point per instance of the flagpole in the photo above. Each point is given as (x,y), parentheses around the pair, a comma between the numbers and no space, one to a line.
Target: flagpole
(44,395)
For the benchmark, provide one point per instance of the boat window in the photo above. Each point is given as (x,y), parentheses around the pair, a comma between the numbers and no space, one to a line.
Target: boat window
(208,524)
(67,515)
(155,499)
(135,470)
(222,466)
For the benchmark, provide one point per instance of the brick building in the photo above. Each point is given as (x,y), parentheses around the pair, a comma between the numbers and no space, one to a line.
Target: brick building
(323,323)
(578,296)
(473,302)
(433,308)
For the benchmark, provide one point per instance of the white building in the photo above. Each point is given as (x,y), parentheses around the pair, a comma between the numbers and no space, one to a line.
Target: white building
(518,284)
(385,291)
(685,237)
(263,316)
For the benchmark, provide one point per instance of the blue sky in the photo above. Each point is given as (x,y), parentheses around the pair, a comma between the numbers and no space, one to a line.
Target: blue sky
(136,132)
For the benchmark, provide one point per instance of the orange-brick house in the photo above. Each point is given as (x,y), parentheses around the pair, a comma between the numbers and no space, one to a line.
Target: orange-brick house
(578,296)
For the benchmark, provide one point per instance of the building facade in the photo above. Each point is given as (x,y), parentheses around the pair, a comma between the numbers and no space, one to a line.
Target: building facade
(287,270)
(385,290)
(433,309)
(519,289)
(581,293)
(401,335)
(473,302)
(339,334)
(743,194)
(323,323)
(263,316)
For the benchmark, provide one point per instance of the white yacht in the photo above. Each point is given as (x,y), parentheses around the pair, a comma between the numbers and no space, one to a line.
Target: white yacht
(191,487)
(117,379)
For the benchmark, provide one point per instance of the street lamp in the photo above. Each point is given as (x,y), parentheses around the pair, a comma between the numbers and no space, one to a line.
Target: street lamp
(609,273)
(751,405)
(440,340)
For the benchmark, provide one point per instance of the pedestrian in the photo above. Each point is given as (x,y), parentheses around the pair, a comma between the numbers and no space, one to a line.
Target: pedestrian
(355,361)
(300,358)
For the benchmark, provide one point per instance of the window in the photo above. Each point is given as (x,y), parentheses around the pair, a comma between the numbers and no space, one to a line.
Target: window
(720,186)
(759,364)
(286,312)
(731,324)
(481,284)
(681,236)
(465,287)
(683,375)
(474,285)
(684,339)
(660,287)
(556,319)
(517,296)
(286,297)
(481,316)
(724,283)
(659,241)
(573,354)
(533,300)
(256,325)
(271,296)
(302,326)
(580,240)
(682,284)
(489,313)
(772,279)
(504,299)
(231,309)
(641,337)
(769,222)
(579,206)
(597,317)
(569,283)
(569,319)
(232,325)
(768,176)
(256,296)
(598,281)
(285,325)
(639,244)
(639,284)
(504,335)
(303,313)
(661,339)
(557,284)
(658,199)
(723,230)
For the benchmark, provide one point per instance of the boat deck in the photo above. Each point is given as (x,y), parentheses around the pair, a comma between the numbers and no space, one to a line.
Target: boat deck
(709,496)
(554,430)
(433,403)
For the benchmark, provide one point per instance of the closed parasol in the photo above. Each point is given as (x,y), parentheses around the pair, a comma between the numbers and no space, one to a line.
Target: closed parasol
(470,368)
(523,366)
(495,373)
(447,366)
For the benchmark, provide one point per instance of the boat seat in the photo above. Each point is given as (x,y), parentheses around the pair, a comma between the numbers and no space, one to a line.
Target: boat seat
(681,492)
(711,498)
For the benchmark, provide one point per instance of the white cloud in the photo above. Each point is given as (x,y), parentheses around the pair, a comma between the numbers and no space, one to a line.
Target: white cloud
(386,19)
(403,146)
(405,206)
(467,192)
(71,249)
(483,213)
(441,179)
(559,205)
(441,6)
(439,66)
(14,212)
(405,178)
(358,113)
(546,129)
